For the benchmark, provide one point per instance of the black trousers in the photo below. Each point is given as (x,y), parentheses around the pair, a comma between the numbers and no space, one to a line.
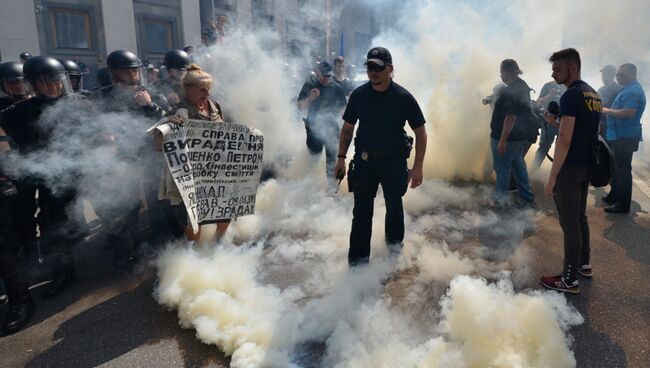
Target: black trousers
(571,191)
(621,192)
(59,231)
(325,136)
(366,177)
(8,263)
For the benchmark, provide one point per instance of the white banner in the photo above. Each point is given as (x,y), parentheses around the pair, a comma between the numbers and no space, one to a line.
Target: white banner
(216,167)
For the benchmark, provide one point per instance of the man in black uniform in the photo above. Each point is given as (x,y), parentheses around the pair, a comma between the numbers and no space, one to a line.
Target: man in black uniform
(177,63)
(128,95)
(324,100)
(382,107)
(48,79)
(13,84)
(568,183)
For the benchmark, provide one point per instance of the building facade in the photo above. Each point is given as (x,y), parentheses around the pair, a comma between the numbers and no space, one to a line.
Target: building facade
(93,28)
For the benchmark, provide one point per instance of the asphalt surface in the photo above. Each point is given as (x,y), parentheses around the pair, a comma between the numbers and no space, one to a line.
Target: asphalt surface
(113,321)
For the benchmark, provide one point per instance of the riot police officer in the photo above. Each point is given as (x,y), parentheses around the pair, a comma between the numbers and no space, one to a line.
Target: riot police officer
(76,76)
(49,81)
(176,62)
(24,56)
(127,93)
(13,84)
(382,108)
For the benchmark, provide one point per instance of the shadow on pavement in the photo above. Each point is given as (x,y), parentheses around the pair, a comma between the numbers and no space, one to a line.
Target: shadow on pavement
(631,232)
(120,325)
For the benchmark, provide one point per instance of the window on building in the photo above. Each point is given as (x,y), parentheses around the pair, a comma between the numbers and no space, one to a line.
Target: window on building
(158,35)
(258,6)
(70,29)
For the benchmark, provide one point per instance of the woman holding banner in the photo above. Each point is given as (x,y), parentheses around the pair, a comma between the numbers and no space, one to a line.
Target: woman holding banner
(199,106)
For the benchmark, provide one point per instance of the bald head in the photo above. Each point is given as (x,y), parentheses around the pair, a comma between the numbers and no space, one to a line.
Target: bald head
(626,74)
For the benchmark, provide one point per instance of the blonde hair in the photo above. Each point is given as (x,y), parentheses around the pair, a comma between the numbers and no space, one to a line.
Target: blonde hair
(195,75)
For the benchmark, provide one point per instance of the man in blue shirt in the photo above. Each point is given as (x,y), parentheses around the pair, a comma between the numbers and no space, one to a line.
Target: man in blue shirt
(624,134)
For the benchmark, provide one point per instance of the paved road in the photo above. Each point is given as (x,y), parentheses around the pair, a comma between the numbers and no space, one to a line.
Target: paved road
(105,320)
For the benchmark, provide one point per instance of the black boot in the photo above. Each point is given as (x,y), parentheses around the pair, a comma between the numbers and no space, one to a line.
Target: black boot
(20,312)
(62,279)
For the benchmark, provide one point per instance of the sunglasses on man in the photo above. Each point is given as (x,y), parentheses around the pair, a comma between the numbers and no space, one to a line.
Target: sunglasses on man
(372,67)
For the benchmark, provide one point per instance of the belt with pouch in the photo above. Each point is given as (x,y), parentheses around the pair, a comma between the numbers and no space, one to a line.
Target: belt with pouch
(385,153)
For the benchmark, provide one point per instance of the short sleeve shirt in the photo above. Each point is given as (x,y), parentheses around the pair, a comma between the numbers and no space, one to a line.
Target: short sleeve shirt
(582,102)
(513,100)
(382,116)
(559,90)
(630,97)
(329,104)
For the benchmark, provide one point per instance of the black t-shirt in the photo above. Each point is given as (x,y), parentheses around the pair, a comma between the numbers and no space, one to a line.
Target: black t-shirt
(346,84)
(327,107)
(513,100)
(382,115)
(582,102)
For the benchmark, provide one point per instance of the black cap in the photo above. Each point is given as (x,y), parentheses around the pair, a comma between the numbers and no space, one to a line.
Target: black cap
(122,59)
(25,55)
(11,70)
(379,55)
(325,68)
(71,67)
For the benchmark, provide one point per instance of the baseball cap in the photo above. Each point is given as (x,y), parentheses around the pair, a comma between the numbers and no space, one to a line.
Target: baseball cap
(608,69)
(325,68)
(379,55)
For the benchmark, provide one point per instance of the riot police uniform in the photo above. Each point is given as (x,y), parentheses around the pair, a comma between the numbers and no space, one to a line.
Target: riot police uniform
(57,231)
(121,221)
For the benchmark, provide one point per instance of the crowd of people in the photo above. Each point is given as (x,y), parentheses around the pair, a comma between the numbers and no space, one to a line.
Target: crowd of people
(568,112)
(574,115)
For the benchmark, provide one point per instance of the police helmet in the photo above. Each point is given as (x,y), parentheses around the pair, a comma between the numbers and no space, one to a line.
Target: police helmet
(177,59)
(25,55)
(11,72)
(71,67)
(122,59)
(74,73)
(46,69)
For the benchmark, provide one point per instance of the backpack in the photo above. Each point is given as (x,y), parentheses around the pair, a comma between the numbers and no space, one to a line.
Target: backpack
(603,167)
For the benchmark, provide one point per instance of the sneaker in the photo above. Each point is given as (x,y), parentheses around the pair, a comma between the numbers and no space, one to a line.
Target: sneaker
(558,283)
(586,271)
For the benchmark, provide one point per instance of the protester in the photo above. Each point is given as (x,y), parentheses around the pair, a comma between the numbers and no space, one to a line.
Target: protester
(12,82)
(339,76)
(382,108)
(568,182)
(215,32)
(624,135)
(510,134)
(196,100)
(607,93)
(550,92)
(48,79)
(324,100)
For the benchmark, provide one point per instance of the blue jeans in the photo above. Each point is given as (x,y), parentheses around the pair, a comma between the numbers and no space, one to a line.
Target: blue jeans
(545,142)
(511,162)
